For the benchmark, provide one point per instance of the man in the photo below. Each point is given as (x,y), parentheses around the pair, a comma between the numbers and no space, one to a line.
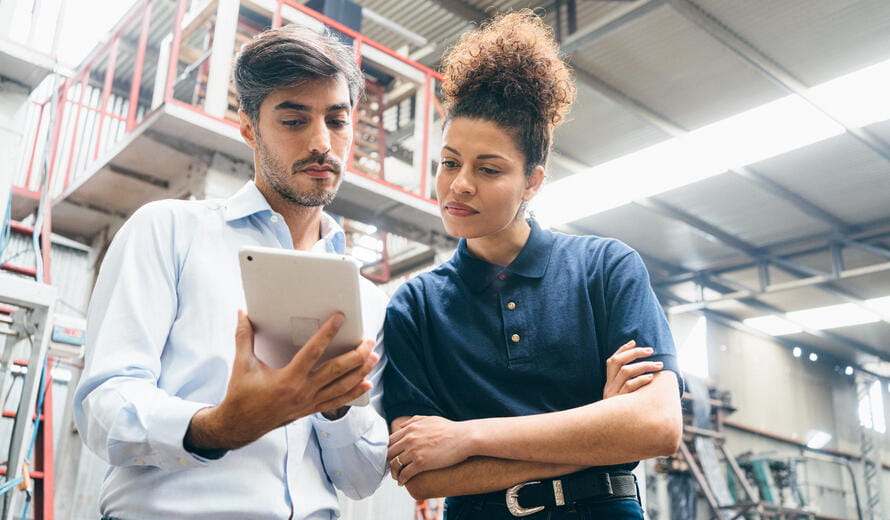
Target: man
(192,423)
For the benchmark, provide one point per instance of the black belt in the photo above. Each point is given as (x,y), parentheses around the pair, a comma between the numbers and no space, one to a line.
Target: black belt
(531,497)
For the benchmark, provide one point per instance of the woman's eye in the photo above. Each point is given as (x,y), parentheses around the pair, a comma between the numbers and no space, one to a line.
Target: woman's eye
(449,164)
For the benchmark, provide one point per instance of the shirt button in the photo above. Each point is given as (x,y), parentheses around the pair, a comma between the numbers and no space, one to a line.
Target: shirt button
(514,338)
(511,306)
(274,218)
(324,434)
(502,277)
(140,462)
(336,473)
(182,462)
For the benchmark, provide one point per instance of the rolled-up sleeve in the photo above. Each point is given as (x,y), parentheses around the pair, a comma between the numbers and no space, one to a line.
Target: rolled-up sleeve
(119,410)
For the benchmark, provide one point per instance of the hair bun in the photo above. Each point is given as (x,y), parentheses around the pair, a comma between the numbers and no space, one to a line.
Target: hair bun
(514,56)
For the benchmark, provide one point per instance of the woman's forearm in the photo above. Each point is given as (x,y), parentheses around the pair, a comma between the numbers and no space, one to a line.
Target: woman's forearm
(482,475)
(625,428)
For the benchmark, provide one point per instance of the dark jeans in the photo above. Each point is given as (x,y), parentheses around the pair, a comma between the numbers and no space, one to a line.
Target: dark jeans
(469,509)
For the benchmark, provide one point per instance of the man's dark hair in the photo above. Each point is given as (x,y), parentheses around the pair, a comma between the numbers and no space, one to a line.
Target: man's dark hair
(287,56)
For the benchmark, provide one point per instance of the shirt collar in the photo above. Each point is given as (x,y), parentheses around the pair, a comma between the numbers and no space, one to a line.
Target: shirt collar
(246,202)
(531,262)
(250,201)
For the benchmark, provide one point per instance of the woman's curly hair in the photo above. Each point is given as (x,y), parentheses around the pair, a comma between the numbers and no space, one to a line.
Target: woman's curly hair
(509,71)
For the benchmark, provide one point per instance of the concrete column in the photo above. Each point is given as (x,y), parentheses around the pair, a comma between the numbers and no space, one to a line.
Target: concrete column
(220,74)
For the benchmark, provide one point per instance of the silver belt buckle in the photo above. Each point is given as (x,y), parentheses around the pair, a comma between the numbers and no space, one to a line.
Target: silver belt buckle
(513,501)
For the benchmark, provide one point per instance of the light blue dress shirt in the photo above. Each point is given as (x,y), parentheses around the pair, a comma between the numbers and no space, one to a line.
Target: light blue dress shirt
(160,345)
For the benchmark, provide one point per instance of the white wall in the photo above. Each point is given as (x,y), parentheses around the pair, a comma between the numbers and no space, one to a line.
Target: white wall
(788,396)
(13,101)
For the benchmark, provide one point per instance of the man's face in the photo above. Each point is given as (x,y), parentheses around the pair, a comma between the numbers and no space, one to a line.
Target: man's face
(301,140)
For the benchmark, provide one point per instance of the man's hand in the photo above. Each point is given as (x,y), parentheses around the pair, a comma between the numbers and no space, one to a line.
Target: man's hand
(260,399)
(622,377)
(425,443)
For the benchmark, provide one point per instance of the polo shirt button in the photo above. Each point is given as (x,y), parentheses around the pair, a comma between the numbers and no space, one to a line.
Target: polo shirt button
(274,218)
(182,462)
(514,338)
(324,434)
(511,306)
(502,277)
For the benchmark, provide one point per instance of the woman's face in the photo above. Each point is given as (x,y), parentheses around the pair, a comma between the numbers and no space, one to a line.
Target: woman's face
(481,180)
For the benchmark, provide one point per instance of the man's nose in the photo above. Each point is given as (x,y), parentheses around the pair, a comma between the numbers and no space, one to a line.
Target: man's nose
(320,139)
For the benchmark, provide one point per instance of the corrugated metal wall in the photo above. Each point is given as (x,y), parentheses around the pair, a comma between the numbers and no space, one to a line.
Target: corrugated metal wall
(71,269)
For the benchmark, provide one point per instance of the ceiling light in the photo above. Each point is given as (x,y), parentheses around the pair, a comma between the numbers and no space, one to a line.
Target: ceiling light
(857,99)
(817,439)
(773,325)
(766,131)
(797,351)
(813,356)
(881,305)
(833,316)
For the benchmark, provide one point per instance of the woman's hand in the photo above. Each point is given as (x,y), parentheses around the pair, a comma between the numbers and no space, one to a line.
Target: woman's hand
(623,377)
(425,443)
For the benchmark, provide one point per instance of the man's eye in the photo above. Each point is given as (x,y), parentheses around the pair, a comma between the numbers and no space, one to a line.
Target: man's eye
(292,122)
(489,171)
(338,122)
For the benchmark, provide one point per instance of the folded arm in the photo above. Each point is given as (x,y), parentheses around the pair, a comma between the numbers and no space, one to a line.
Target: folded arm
(642,421)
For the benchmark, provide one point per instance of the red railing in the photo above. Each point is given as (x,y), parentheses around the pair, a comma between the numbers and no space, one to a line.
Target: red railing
(143,66)
(83,124)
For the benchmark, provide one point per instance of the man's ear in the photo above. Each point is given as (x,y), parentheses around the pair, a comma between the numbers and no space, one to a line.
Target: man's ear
(533,183)
(247,129)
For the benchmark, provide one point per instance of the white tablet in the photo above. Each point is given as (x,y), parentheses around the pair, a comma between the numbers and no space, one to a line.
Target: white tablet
(290,294)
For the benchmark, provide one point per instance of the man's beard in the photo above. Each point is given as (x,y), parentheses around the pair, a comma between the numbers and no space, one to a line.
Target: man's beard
(277,176)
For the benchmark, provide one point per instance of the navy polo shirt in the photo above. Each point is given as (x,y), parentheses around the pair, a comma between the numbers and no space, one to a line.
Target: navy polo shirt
(472,339)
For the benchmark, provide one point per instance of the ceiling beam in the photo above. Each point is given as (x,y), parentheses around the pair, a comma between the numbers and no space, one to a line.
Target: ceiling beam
(463,10)
(870,232)
(737,324)
(802,204)
(826,280)
(821,334)
(617,19)
(770,68)
(650,116)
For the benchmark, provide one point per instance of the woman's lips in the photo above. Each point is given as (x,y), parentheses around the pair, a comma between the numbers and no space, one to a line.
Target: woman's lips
(459,210)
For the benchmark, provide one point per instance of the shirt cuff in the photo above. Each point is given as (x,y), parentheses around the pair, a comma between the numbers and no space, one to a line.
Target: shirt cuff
(167,429)
(347,429)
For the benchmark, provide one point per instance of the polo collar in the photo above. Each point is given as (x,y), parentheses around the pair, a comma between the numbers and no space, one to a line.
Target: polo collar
(531,262)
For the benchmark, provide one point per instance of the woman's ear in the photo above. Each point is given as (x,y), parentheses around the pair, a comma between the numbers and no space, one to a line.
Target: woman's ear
(533,183)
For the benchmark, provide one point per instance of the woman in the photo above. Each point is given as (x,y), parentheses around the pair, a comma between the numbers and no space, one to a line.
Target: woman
(500,359)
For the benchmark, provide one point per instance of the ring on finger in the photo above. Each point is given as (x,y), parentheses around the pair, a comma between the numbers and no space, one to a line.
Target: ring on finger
(399,462)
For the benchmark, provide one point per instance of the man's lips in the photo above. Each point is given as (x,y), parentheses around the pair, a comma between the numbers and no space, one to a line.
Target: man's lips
(456,209)
(319,173)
